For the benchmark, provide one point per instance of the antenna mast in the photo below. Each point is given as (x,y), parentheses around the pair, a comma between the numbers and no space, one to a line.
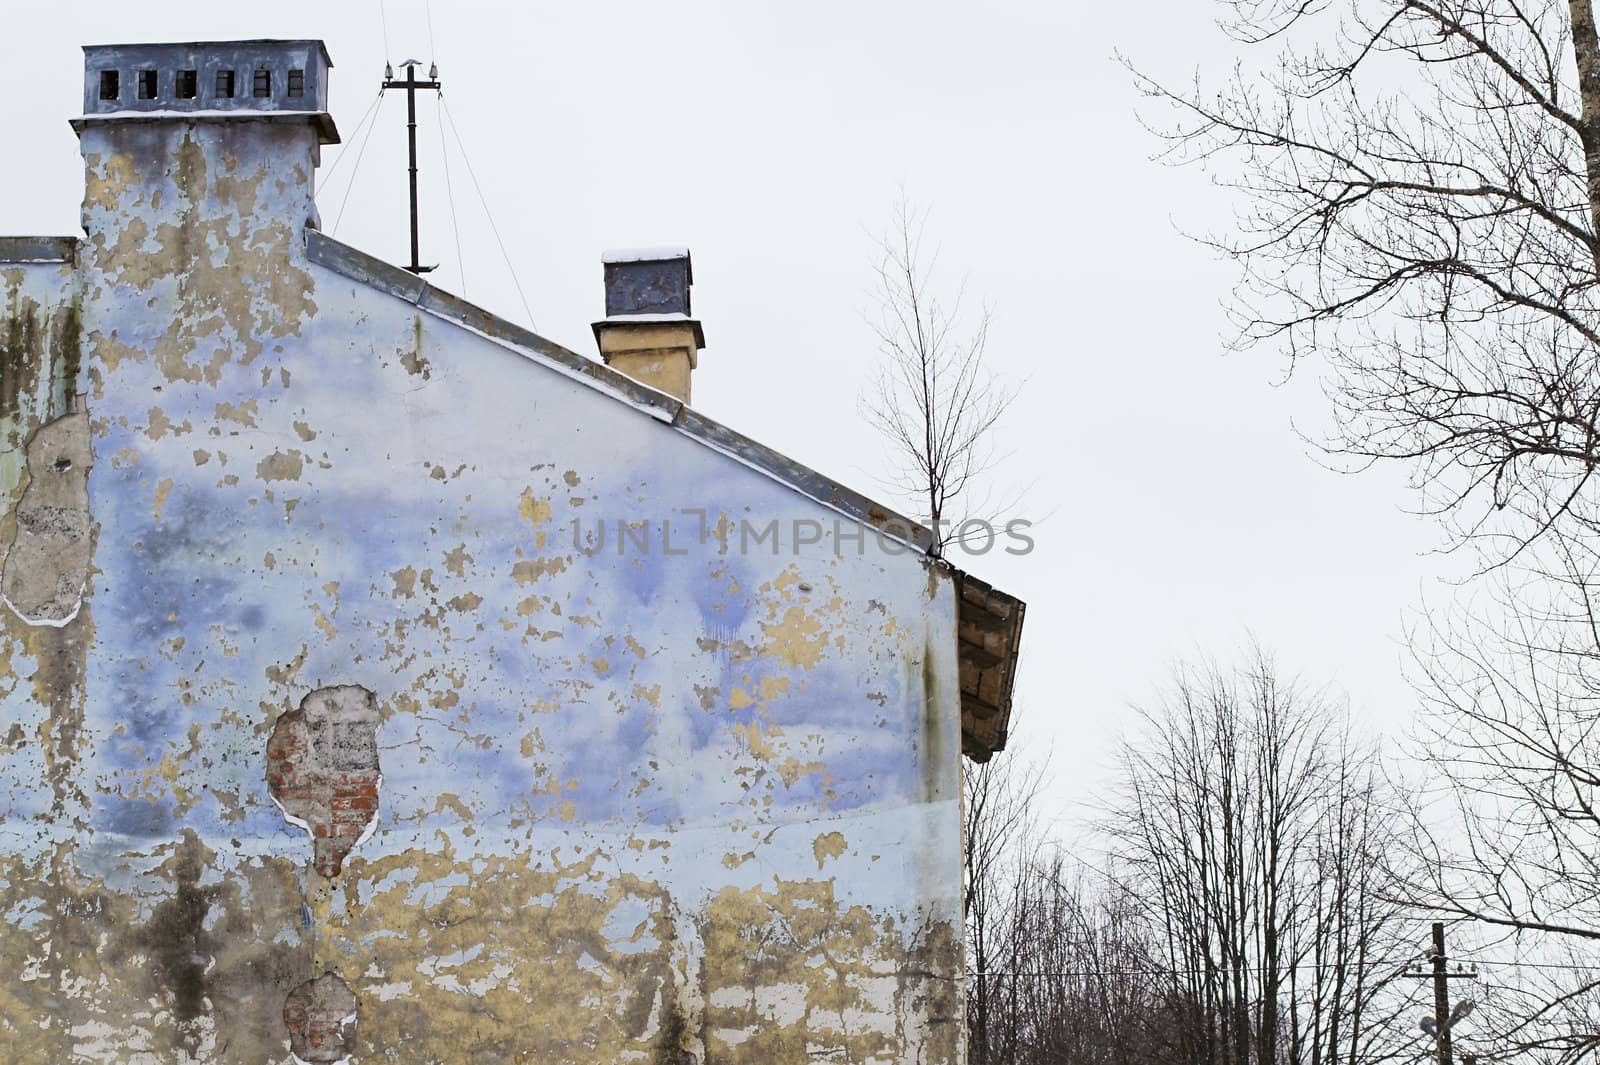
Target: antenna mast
(411,85)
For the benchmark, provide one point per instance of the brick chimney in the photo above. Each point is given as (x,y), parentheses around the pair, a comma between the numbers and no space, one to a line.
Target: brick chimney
(648,332)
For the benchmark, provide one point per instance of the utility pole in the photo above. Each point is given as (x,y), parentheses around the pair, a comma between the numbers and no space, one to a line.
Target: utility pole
(411,85)
(1441,978)
(1444,1017)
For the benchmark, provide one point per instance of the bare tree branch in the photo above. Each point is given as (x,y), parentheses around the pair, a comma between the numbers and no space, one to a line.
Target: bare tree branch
(935,401)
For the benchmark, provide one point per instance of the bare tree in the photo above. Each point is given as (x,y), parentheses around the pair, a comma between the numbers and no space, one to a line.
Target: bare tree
(1510,824)
(1078,979)
(1249,915)
(1419,208)
(1000,823)
(1255,830)
(935,400)
(1418,185)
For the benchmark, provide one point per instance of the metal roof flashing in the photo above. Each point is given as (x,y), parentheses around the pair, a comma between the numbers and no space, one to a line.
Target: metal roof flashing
(25,250)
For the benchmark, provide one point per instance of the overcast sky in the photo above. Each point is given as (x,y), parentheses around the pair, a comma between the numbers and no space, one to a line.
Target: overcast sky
(1179,510)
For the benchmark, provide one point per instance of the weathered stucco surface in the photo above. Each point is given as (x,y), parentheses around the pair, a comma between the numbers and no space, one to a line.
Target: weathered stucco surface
(697,806)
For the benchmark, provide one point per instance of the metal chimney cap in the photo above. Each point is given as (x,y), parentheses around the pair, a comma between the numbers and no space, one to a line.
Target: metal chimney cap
(648,281)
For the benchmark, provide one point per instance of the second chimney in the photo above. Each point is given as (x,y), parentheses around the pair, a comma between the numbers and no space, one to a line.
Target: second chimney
(648,332)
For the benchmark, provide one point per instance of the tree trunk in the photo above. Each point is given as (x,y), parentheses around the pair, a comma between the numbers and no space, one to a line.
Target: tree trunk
(1587,49)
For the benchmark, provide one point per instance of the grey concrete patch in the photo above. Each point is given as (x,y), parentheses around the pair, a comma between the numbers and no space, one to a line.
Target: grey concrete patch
(47,561)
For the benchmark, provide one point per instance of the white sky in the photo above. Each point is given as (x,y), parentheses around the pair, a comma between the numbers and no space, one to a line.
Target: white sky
(1179,510)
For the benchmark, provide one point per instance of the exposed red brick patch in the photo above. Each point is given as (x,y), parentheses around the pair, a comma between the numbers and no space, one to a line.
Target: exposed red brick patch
(322,768)
(321,1017)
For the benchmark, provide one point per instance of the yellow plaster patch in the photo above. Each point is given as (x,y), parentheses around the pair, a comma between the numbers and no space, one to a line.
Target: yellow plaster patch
(797,639)
(452,802)
(756,739)
(529,570)
(534,511)
(106,184)
(455,560)
(828,845)
(163,490)
(241,414)
(159,425)
(281,466)
(405,581)
(791,769)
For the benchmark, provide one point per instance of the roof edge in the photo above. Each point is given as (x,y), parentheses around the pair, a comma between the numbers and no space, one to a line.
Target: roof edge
(327,130)
(357,265)
(38,249)
(285,41)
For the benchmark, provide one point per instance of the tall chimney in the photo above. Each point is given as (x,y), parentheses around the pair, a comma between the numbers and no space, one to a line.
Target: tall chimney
(199,166)
(648,332)
(197,135)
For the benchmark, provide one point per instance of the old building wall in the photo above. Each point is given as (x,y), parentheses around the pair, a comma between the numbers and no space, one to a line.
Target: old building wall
(686,799)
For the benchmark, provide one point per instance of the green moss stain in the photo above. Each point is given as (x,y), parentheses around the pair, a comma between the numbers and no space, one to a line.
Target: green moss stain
(66,344)
(40,356)
(21,353)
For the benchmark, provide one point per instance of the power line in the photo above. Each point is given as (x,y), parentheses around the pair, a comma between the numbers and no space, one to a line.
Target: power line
(449,191)
(352,183)
(383,14)
(467,160)
(1258,969)
(333,169)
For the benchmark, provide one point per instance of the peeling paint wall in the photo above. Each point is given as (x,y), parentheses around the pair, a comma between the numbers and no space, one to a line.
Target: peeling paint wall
(633,806)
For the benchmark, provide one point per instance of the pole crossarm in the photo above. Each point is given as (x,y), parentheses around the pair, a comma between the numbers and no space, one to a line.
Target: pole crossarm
(1443,1017)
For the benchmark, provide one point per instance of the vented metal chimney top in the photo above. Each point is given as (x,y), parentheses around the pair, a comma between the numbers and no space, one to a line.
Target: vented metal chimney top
(217,79)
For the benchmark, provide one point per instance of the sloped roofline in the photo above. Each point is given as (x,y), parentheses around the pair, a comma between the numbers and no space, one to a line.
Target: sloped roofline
(359,266)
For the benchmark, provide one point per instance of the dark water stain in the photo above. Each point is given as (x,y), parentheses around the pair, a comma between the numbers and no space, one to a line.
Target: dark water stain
(175,938)
(674,1045)
(217,950)
(933,751)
